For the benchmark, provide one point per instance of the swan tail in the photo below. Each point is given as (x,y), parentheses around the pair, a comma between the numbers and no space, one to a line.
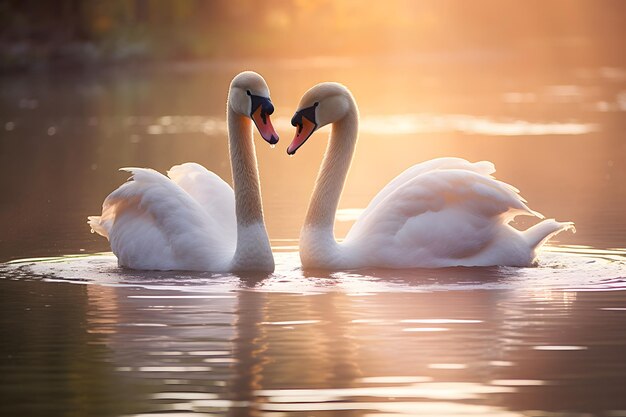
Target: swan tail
(538,234)
(484,167)
(97,226)
(100,224)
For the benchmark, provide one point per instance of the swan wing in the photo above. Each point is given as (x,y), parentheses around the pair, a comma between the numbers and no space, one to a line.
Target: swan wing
(441,217)
(482,167)
(152,223)
(213,194)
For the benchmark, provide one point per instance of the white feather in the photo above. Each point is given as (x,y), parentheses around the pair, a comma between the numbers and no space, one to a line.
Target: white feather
(153,223)
(444,217)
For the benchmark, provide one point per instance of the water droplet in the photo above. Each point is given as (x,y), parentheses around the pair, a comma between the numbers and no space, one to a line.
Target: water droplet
(9,126)
(272,146)
(52,130)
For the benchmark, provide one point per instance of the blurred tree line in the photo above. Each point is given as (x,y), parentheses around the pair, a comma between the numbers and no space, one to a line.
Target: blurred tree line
(87,32)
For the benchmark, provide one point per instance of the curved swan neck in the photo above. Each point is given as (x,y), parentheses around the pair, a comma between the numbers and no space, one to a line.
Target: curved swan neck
(245,173)
(333,172)
(253,247)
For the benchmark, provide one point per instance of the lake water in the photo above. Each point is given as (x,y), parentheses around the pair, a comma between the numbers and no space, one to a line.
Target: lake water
(79,336)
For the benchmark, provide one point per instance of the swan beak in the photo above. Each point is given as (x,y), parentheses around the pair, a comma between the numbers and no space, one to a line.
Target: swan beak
(261,118)
(304,130)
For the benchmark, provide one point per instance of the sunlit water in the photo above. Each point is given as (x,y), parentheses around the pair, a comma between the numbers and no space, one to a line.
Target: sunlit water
(80,336)
(458,341)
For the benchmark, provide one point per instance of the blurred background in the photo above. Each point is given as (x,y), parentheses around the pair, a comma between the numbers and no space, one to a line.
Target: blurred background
(84,33)
(87,87)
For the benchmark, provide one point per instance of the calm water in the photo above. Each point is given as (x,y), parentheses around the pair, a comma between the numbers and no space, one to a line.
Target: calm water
(78,336)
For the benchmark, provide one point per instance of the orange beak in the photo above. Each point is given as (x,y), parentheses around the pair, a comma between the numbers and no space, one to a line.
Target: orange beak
(264,125)
(304,130)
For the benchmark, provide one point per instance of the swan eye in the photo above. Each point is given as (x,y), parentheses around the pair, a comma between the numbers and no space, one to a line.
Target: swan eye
(248,92)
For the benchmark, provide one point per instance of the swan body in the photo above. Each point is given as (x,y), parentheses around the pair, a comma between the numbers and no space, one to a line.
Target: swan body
(439,213)
(192,219)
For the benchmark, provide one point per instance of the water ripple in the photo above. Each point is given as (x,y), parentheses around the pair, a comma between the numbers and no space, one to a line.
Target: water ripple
(562,269)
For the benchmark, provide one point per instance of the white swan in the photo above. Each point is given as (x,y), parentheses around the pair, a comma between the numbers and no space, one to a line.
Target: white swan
(193,220)
(440,213)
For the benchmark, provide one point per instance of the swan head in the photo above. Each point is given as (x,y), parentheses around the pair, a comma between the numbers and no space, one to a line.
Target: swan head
(323,104)
(250,97)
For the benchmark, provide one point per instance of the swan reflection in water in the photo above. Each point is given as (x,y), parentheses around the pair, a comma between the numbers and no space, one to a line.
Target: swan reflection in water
(252,351)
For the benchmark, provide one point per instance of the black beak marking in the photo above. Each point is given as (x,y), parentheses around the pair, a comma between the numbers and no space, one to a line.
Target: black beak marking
(267,108)
(309,113)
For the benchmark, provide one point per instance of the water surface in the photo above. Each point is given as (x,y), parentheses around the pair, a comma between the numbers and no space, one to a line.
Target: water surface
(80,336)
